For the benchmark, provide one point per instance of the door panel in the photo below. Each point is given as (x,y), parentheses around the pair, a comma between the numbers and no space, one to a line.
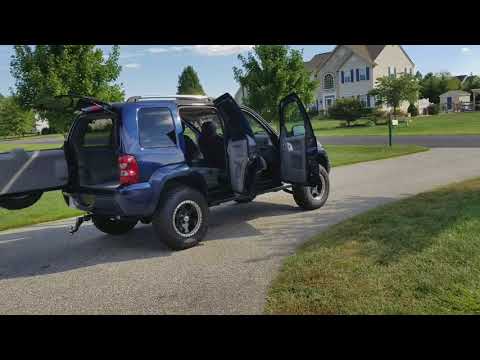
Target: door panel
(32,171)
(298,144)
(238,161)
(241,146)
(293,159)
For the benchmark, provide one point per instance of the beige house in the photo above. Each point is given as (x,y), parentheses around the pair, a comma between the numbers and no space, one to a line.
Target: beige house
(454,100)
(352,70)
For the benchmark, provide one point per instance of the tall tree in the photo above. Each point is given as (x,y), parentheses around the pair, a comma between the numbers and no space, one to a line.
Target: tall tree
(270,72)
(392,91)
(472,82)
(434,85)
(45,71)
(189,83)
(13,119)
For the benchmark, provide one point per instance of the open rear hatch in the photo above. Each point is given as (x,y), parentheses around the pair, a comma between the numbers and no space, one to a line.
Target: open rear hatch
(25,175)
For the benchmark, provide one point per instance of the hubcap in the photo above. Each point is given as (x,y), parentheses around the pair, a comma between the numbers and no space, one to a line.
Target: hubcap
(187,218)
(319,190)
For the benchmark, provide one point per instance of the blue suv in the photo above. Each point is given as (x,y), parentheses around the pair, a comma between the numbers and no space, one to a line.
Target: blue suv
(166,160)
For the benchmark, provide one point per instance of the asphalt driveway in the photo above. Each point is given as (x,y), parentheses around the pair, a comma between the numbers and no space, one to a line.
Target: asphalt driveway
(44,270)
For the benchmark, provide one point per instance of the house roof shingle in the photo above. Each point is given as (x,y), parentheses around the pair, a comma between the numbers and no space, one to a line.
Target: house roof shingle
(317,61)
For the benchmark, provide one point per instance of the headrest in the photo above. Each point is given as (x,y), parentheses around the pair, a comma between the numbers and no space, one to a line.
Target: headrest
(209,128)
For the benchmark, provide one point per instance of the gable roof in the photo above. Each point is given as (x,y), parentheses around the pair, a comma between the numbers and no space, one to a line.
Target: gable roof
(317,61)
(368,52)
(461,77)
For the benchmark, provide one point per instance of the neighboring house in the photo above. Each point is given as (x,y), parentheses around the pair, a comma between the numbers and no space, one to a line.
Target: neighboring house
(40,124)
(454,99)
(352,70)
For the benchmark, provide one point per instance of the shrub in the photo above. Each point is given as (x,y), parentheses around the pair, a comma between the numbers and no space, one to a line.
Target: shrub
(379,116)
(347,109)
(433,109)
(412,110)
(45,131)
(312,111)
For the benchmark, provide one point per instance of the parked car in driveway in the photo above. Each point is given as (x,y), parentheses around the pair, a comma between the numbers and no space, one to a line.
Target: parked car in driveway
(166,160)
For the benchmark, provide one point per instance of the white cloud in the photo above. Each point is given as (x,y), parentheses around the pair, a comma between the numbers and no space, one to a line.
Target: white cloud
(466,50)
(132,66)
(209,50)
(157,50)
(220,50)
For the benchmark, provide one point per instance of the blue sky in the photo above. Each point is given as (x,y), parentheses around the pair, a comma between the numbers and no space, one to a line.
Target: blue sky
(155,69)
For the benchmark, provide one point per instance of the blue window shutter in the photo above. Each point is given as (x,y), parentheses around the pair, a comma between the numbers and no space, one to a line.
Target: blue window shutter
(343,77)
(394,72)
(358,75)
(389,71)
(367,73)
(351,74)
(368,99)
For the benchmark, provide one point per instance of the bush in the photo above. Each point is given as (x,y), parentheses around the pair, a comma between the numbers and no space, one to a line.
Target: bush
(379,116)
(347,109)
(45,131)
(433,109)
(412,110)
(312,112)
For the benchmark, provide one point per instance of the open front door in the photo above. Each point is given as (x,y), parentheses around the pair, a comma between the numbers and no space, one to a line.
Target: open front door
(298,145)
(241,147)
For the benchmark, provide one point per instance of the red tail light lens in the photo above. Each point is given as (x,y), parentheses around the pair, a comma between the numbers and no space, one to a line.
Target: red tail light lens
(129,171)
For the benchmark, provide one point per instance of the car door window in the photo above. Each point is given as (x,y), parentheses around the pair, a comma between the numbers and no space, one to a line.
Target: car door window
(294,120)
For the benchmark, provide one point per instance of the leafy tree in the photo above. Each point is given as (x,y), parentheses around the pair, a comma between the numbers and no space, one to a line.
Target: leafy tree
(13,119)
(472,82)
(392,91)
(349,109)
(434,85)
(270,72)
(44,71)
(189,83)
(418,75)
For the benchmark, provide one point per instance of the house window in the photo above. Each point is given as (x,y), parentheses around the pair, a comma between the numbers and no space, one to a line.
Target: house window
(363,100)
(328,81)
(362,74)
(347,77)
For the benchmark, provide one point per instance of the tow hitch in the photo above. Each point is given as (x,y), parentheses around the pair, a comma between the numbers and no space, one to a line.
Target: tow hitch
(79,222)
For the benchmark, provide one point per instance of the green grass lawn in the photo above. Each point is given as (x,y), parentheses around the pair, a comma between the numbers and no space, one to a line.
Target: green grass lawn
(52,206)
(351,154)
(417,256)
(443,124)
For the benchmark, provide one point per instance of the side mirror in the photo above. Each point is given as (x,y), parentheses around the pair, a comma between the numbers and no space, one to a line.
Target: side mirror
(298,130)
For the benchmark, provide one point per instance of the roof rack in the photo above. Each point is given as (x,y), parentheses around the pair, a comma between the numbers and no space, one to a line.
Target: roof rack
(177,97)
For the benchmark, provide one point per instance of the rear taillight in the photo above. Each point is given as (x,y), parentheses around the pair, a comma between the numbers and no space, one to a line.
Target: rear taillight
(129,171)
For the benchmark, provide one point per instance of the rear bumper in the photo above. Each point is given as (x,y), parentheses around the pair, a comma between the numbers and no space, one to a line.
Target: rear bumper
(136,200)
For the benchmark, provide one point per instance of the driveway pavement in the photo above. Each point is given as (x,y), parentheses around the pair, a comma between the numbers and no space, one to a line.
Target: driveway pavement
(44,270)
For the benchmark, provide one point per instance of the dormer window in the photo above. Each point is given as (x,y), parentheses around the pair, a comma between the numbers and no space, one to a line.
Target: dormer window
(328,81)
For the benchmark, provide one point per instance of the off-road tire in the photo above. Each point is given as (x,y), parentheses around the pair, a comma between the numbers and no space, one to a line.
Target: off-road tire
(20,201)
(113,226)
(304,197)
(170,222)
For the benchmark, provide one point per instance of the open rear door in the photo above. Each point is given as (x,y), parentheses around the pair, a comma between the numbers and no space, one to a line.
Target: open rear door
(298,145)
(241,147)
